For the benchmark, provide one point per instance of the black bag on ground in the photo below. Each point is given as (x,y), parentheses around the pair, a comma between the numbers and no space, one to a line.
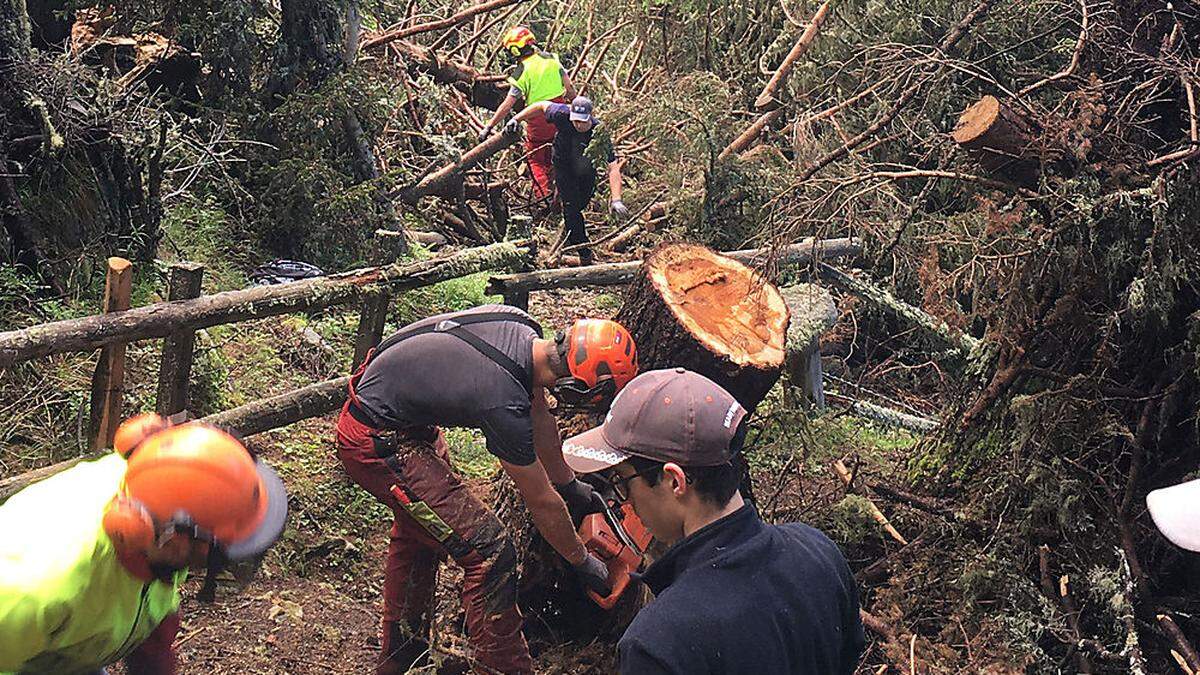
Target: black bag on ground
(283,271)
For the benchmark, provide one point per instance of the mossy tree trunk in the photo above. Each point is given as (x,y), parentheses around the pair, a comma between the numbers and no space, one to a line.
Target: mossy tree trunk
(318,39)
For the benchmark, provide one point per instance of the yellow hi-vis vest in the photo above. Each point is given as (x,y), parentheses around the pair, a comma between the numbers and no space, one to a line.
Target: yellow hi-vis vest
(67,604)
(539,78)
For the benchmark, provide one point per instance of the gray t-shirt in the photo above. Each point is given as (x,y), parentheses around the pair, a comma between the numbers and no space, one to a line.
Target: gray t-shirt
(437,379)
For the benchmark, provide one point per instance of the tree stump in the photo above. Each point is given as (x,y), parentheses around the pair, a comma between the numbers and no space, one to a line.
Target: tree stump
(999,139)
(813,312)
(691,307)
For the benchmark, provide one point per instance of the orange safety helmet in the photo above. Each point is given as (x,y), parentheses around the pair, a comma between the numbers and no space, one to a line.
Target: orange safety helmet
(197,480)
(517,39)
(602,358)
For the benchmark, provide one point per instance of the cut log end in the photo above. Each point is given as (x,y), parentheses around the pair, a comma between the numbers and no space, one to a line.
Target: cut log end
(724,304)
(977,120)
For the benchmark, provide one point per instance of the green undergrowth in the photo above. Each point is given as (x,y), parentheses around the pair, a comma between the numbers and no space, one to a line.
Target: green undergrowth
(330,515)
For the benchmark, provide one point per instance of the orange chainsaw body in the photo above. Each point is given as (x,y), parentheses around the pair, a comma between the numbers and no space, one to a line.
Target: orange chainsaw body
(598,533)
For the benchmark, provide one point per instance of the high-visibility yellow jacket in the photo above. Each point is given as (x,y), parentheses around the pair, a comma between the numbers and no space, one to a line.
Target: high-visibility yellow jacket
(539,77)
(67,604)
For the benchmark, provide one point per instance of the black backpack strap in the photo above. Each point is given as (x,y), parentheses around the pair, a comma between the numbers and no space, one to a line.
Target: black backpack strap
(456,327)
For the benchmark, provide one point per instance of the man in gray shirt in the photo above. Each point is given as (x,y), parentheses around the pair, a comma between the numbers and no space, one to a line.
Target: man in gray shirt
(487,368)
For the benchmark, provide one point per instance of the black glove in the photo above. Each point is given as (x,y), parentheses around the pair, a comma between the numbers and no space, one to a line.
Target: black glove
(581,499)
(512,126)
(484,133)
(594,575)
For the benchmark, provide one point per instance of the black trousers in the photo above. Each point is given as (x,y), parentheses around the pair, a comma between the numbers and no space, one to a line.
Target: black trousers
(574,192)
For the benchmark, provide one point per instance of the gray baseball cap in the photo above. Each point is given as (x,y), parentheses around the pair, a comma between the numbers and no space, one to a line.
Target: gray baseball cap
(581,109)
(672,415)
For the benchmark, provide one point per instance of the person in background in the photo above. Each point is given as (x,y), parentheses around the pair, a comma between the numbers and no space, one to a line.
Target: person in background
(732,594)
(573,170)
(92,558)
(536,76)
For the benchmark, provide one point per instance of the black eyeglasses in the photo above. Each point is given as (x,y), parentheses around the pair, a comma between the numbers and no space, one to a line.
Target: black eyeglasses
(620,484)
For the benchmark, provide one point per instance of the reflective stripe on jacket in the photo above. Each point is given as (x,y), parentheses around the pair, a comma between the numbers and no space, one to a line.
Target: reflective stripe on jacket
(67,604)
(539,77)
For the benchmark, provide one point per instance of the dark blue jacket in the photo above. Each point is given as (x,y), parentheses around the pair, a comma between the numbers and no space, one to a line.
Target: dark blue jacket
(741,596)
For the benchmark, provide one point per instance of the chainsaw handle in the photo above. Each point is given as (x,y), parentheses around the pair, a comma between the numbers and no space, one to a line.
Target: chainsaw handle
(619,584)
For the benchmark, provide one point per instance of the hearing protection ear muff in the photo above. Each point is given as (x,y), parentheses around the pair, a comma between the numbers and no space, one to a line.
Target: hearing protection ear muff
(129,524)
(136,429)
(573,392)
(514,51)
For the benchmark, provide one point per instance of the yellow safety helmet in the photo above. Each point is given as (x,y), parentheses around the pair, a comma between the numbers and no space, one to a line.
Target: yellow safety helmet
(517,39)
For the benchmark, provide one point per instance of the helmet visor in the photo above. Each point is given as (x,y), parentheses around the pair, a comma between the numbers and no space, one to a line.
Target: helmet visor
(274,518)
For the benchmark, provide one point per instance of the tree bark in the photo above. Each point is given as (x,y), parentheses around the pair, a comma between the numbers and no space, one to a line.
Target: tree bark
(14,32)
(318,38)
(813,311)
(278,411)
(311,47)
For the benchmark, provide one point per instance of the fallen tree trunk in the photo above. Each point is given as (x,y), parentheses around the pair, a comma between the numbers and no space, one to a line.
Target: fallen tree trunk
(448,181)
(457,18)
(484,89)
(883,299)
(752,132)
(614,274)
(280,411)
(162,319)
(813,312)
(693,308)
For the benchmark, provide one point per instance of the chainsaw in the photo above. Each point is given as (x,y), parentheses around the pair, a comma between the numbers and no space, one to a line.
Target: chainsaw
(618,538)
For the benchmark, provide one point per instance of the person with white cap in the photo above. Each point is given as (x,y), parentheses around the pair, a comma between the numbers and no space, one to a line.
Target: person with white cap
(573,171)
(733,594)
(1176,513)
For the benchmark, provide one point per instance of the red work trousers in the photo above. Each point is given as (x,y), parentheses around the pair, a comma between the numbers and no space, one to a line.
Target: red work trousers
(434,515)
(539,137)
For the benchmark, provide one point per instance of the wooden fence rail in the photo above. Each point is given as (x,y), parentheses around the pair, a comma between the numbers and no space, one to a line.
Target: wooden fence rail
(516,287)
(164,318)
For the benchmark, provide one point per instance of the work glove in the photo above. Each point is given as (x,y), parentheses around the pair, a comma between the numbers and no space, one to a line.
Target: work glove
(484,133)
(512,126)
(618,208)
(594,575)
(581,499)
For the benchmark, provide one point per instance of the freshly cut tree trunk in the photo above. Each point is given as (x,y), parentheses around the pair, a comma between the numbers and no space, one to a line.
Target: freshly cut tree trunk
(687,307)
(999,139)
(695,308)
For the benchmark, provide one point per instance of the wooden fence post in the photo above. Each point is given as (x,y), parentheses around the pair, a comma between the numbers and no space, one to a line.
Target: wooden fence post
(370,325)
(175,368)
(108,382)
